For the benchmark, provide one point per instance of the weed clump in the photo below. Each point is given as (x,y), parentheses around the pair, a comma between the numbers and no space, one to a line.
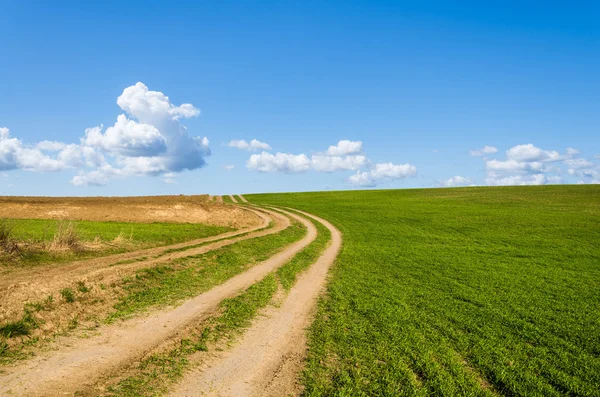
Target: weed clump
(15,328)
(81,287)
(3,347)
(66,237)
(68,295)
(8,244)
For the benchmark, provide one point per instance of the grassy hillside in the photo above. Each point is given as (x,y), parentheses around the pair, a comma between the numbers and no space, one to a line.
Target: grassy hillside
(470,291)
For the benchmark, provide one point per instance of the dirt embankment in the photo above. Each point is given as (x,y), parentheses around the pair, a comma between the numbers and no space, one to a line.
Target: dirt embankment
(179,209)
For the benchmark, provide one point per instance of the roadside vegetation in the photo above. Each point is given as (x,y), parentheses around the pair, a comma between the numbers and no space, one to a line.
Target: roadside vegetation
(227,200)
(470,291)
(30,242)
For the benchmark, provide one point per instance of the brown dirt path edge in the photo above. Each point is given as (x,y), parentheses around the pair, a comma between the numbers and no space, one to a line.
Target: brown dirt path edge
(242,198)
(269,357)
(34,284)
(81,364)
(233,198)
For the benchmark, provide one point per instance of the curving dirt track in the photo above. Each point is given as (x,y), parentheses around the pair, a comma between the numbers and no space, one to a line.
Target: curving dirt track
(80,363)
(242,198)
(233,198)
(269,357)
(34,284)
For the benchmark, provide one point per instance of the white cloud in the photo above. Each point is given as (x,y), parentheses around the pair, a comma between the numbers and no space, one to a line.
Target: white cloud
(92,178)
(342,157)
(9,150)
(530,153)
(291,163)
(513,166)
(529,165)
(50,146)
(337,163)
(483,150)
(128,138)
(344,148)
(153,107)
(382,172)
(154,144)
(590,174)
(578,163)
(456,181)
(229,167)
(535,179)
(148,139)
(253,145)
(284,162)
(16,155)
(169,178)
(362,179)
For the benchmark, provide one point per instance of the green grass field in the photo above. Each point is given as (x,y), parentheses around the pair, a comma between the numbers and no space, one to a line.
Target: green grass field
(470,291)
(151,233)
(137,235)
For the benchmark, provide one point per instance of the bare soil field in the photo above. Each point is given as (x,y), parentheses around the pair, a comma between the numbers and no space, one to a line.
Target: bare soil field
(181,209)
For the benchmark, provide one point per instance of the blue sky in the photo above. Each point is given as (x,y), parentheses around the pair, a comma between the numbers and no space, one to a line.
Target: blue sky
(417,89)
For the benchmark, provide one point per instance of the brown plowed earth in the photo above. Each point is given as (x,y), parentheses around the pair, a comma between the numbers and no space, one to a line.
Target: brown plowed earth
(233,198)
(242,198)
(219,199)
(80,363)
(181,209)
(35,284)
(269,357)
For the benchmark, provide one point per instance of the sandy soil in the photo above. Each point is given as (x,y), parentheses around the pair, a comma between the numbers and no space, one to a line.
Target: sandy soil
(270,355)
(80,364)
(181,209)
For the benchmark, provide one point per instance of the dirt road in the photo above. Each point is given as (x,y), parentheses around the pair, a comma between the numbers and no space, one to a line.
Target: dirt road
(233,198)
(268,358)
(80,363)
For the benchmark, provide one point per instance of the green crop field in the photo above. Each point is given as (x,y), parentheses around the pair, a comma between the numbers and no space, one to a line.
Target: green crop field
(136,236)
(470,291)
(152,233)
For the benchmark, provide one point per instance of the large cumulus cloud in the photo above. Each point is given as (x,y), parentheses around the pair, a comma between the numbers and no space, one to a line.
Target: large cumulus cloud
(147,139)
